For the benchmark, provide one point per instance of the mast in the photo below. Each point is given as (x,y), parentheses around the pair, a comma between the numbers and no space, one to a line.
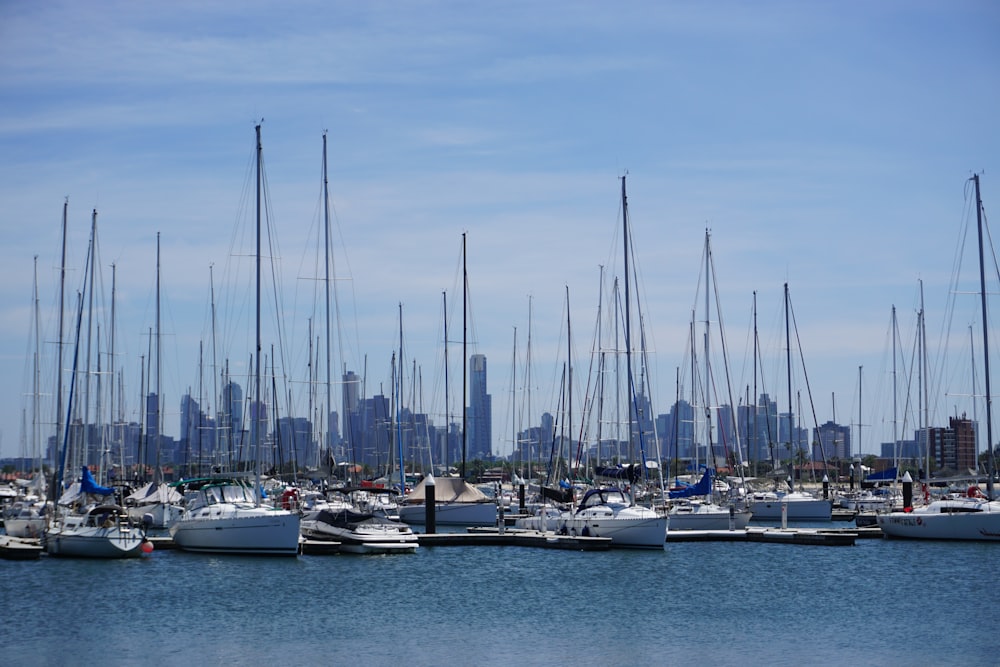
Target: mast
(159,367)
(710,451)
(465,356)
(59,347)
(447,406)
(569,390)
(255,410)
(986,342)
(399,408)
(788,371)
(215,370)
(628,323)
(326,250)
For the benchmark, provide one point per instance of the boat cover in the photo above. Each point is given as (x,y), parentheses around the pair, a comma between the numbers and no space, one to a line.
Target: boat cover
(89,485)
(702,488)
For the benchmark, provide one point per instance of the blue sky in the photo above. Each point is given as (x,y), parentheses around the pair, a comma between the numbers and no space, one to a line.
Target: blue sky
(824,144)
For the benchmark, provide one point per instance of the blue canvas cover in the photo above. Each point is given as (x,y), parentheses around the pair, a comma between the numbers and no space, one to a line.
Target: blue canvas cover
(887,475)
(702,488)
(88,485)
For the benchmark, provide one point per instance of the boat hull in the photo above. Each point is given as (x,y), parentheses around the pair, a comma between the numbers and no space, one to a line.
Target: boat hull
(95,542)
(451,514)
(248,531)
(809,509)
(982,525)
(642,529)
(708,518)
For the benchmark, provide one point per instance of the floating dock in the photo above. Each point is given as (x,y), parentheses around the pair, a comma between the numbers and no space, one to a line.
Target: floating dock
(19,548)
(802,536)
(491,537)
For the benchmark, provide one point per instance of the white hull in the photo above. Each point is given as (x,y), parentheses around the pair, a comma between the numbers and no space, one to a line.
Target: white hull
(701,516)
(95,542)
(955,519)
(237,530)
(452,514)
(33,527)
(634,527)
(800,507)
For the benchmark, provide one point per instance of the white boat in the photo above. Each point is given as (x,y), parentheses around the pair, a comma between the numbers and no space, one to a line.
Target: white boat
(98,531)
(26,518)
(361,532)
(693,507)
(800,506)
(954,517)
(974,516)
(457,503)
(867,501)
(222,515)
(695,514)
(157,504)
(609,512)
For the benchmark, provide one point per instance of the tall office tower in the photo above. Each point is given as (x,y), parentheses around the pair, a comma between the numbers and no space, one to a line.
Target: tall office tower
(480,439)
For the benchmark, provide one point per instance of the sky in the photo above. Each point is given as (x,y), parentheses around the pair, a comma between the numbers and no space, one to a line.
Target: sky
(826,145)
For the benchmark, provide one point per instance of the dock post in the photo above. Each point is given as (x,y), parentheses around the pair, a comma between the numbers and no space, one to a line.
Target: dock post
(784,514)
(430,506)
(732,517)
(500,519)
(907,492)
(826,487)
(521,506)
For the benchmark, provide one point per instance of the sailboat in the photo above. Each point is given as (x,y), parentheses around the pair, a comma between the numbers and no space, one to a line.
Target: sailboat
(612,512)
(26,517)
(87,523)
(156,503)
(791,505)
(223,513)
(456,502)
(694,507)
(972,515)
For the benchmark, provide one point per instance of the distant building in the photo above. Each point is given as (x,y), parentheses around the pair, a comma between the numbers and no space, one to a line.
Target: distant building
(480,418)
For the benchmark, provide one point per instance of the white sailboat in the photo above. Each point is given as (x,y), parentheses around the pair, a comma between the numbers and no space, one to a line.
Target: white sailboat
(611,512)
(974,516)
(791,505)
(223,514)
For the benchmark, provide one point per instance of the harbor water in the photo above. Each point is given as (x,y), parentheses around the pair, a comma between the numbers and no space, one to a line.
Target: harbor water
(879,602)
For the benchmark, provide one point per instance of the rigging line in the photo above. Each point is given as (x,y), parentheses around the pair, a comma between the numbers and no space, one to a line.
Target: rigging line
(805,375)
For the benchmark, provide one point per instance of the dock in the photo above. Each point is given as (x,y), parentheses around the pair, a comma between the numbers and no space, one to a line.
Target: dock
(19,548)
(491,537)
(800,536)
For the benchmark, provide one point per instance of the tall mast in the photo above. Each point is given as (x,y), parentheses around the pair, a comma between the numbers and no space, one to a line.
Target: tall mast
(326,246)
(447,406)
(465,356)
(59,347)
(399,408)
(628,324)
(215,368)
(255,410)
(788,371)
(986,342)
(159,367)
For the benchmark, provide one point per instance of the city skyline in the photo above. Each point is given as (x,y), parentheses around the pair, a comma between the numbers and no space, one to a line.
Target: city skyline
(825,147)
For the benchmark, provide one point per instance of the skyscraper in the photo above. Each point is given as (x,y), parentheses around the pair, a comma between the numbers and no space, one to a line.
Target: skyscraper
(480,439)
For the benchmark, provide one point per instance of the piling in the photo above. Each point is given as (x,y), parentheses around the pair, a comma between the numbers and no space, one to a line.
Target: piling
(907,492)
(429,505)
